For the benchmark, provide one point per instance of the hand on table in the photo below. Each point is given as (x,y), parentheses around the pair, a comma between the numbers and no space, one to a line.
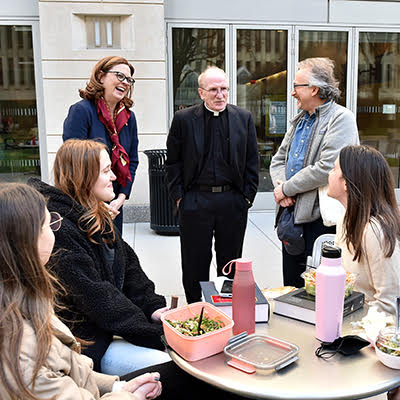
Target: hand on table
(146,386)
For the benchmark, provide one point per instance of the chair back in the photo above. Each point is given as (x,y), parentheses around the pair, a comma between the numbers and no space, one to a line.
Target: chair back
(315,259)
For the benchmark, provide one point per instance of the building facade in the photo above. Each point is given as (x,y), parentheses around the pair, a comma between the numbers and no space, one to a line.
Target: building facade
(48,48)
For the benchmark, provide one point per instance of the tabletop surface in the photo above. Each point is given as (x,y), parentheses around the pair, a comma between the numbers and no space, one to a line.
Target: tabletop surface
(310,378)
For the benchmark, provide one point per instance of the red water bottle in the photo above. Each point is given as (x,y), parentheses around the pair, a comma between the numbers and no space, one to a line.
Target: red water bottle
(243,297)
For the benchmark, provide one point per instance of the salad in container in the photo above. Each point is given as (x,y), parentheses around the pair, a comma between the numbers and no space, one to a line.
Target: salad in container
(309,282)
(194,341)
(387,348)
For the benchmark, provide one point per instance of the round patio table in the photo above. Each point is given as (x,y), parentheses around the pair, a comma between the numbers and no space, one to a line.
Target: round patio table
(309,378)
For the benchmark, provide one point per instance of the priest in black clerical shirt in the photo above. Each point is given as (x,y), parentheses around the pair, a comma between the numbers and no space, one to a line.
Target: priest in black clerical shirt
(212,173)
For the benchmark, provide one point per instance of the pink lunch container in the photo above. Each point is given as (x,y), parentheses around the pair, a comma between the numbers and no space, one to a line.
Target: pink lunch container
(194,348)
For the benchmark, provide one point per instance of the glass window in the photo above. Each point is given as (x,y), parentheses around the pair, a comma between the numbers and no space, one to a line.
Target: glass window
(193,50)
(262,88)
(19,139)
(378,94)
(103,32)
(331,44)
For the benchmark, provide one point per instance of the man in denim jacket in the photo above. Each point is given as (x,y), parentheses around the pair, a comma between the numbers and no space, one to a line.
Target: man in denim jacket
(307,154)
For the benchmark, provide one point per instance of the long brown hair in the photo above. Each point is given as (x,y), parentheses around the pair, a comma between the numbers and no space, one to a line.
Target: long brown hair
(26,287)
(76,170)
(94,88)
(370,198)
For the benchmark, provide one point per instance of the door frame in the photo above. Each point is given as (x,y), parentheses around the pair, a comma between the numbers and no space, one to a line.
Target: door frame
(351,76)
(170,83)
(39,94)
(265,200)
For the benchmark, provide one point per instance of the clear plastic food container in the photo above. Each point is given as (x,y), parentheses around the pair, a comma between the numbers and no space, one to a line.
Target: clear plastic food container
(309,282)
(387,348)
(252,352)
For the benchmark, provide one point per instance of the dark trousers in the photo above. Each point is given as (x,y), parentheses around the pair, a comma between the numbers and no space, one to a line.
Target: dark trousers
(179,385)
(294,266)
(119,219)
(202,217)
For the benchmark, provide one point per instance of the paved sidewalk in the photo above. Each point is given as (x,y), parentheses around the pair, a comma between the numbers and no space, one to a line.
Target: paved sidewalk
(160,255)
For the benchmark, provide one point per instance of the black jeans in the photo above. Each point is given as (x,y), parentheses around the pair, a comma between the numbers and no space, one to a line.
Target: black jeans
(179,385)
(294,266)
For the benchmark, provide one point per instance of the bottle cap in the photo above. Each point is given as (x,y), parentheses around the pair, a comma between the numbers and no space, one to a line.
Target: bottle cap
(331,251)
(243,264)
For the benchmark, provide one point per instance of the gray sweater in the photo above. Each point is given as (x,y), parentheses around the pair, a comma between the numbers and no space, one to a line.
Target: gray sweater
(335,127)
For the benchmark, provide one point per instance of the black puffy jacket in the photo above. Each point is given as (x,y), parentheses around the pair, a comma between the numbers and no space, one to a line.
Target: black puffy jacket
(100,300)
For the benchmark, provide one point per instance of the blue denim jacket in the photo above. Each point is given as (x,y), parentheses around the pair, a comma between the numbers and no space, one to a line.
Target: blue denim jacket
(299,145)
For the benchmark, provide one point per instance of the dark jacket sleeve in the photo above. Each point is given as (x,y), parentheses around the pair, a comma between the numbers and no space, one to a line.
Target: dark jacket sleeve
(77,123)
(251,172)
(133,155)
(93,293)
(174,162)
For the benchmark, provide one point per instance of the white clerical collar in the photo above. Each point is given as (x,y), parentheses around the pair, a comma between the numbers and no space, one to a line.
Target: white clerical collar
(215,113)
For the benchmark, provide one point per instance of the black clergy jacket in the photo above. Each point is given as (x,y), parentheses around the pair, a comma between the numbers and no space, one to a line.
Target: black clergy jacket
(185,151)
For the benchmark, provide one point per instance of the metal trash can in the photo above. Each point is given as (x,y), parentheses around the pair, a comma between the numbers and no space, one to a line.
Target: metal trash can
(162,218)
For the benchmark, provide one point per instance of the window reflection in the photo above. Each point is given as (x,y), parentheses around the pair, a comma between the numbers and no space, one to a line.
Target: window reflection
(262,88)
(193,50)
(19,139)
(378,95)
(331,44)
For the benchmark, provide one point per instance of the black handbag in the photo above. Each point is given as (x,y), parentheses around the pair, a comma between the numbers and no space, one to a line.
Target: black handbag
(289,233)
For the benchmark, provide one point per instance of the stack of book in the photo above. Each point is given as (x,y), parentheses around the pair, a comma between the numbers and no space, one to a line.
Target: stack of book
(212,296)
(301,306)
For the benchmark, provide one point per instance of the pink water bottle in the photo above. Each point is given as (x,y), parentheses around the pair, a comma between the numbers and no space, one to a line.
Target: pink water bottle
(330,285)
(243,297)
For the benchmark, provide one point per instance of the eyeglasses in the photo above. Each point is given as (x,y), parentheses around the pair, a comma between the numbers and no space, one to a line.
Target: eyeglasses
(122,77)
(215,91)
(296,85)
(55,221)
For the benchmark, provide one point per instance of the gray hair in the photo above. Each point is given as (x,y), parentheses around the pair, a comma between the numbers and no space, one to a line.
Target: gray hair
(322,76)
(209,69)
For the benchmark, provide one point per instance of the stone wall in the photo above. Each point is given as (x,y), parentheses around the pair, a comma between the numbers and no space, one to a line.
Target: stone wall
(67,63)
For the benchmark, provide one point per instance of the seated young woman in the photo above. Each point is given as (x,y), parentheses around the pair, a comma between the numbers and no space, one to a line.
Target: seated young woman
(39,356)
(369,233)
(107,292)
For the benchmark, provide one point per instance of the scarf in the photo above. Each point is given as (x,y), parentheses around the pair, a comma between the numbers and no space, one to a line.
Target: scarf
(114,124)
